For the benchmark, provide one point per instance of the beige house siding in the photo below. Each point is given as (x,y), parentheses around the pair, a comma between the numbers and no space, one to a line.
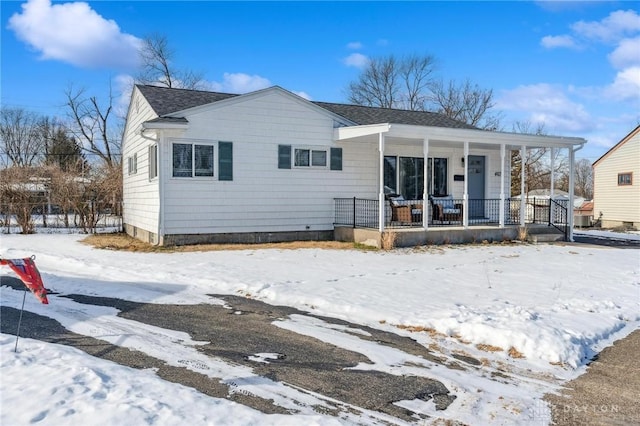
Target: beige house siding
(618,204)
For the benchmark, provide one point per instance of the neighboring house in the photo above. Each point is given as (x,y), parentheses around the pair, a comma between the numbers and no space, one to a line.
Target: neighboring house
(583,215)
(271,166)
(616,185)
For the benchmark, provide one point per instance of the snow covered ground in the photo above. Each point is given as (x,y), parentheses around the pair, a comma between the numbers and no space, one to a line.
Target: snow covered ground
(534,313)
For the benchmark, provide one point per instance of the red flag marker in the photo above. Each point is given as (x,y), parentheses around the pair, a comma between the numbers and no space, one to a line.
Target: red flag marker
(28,272)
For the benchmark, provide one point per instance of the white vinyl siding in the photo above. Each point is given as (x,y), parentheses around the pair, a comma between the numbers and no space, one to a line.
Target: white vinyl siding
(261,197)
(141,196)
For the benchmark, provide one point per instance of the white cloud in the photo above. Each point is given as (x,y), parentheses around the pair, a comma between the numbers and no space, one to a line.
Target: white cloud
(626,54)
(74,33)
(548,104)
(123,87)
(354,45)
(304,95)
(626,86)
(614,27)
(357,60)
(240,83)
(551,42)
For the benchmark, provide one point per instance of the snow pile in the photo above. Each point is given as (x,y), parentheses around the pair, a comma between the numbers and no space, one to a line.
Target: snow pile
(540,310)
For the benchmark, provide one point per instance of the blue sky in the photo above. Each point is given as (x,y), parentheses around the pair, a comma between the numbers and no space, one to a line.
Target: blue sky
(573,65)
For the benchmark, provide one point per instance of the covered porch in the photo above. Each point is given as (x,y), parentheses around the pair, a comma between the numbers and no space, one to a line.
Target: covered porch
(463,174)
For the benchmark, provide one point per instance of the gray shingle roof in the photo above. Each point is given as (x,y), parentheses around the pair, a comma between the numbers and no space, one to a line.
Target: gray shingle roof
(165,101)
(372,115)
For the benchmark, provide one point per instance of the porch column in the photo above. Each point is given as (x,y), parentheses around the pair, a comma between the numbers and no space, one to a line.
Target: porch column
(553,184)
(572,161)
(381,206)
(523,204)
(502,157)
(425,189)
(465,196)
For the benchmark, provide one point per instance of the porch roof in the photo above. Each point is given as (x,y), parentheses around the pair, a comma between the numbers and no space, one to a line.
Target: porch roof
(447,135)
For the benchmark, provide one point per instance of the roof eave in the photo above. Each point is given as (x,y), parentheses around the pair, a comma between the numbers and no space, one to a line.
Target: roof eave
(456,135)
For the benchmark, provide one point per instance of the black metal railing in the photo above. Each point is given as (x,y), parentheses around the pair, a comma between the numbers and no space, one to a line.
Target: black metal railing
(363,213)
(559,216)
(356,212)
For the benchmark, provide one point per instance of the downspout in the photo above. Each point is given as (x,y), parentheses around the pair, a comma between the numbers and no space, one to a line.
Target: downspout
(571,189)
(381,206)
(425,182)
(160,186)
(523,205)
(465,195)
(502,158)
(553,184)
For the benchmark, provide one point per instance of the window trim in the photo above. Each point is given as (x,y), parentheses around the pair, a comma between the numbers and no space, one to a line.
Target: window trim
(132,164)
(193,143)
(153,161)
(430,169)
(622,176)
(311,149)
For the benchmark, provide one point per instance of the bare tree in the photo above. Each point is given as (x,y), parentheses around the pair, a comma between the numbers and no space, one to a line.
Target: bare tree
(465,102)
(21,136)
(388,82)
(537,163)
(21,193)
(584,179)
(158,68)
(93,125)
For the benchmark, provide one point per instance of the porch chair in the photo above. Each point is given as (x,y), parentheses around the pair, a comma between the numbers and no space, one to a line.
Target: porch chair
(445,209)
(405,211)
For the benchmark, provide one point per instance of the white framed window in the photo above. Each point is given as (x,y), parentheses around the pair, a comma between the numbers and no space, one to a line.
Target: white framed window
(132,163)
(197,159)
(153,161)
(308,157)
(192,160)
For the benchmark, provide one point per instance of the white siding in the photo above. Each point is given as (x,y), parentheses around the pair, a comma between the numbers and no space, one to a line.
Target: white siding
(140,195)
(261,197)
(618,203)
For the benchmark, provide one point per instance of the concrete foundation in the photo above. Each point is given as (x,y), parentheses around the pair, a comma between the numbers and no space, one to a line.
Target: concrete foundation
(420,237)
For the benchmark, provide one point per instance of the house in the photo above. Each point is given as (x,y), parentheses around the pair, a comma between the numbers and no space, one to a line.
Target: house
(271,166)
(616,190)
(583,214)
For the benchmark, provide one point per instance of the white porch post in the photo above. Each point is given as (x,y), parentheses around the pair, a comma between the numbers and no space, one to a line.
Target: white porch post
(381,206)
(502,157)
(465,196)
(572,160)
(523,204)
(553,184)
(425,189)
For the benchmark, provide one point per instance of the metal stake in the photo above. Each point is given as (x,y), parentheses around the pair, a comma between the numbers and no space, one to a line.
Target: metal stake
(20,320)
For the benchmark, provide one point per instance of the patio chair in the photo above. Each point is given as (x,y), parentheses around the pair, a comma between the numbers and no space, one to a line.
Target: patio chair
(445,209)
(405,211)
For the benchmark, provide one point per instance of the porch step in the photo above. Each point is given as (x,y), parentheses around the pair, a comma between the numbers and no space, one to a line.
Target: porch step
(544,234)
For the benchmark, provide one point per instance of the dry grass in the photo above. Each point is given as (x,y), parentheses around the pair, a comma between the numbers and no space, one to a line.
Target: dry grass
(418,329)
(489,348)
(388,240)
(126,243)
(514,353)
(523,233)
